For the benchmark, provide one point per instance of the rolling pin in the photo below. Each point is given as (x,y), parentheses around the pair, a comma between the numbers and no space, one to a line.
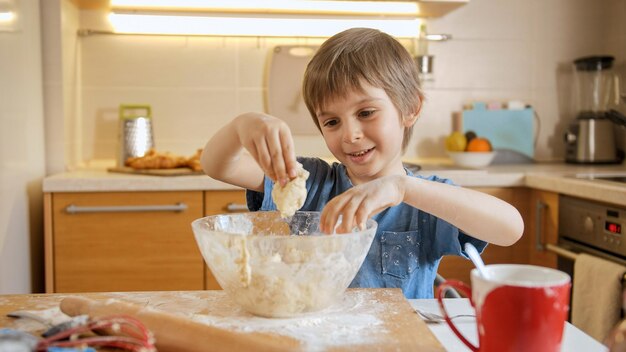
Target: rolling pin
(175,333)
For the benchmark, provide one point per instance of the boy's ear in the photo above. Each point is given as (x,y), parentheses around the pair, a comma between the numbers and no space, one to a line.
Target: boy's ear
(410,120)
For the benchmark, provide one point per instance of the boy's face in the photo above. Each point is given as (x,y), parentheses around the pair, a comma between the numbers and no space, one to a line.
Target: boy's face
(364,131)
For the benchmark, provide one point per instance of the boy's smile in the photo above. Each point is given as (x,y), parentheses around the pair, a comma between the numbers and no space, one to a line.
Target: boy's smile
(361,156)
(364,131)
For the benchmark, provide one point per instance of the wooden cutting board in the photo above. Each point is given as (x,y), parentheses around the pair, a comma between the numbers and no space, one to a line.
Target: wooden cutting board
(364,319)
(181,171)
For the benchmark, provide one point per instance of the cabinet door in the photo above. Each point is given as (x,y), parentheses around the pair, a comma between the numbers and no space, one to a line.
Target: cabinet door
(543,227)
(455,267)
(221,202)
(122,248)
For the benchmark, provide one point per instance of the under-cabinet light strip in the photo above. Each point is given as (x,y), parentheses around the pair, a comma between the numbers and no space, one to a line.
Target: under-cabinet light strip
(379,8)
(6,16)
(130,23)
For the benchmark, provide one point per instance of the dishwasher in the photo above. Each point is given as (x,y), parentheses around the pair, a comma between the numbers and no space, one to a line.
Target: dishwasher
(589,227)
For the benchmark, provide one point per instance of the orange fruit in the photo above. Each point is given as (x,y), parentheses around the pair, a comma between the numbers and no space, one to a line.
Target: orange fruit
(479,144)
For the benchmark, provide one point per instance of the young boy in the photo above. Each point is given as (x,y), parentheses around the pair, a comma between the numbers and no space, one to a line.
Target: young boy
(363,92)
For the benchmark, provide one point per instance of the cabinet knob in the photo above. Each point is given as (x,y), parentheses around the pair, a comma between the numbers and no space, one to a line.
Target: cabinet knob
(588,224)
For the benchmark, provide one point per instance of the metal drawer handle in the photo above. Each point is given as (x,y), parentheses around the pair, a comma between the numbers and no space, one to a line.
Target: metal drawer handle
(562,252)
(235,207)
(539,210)
(75,209)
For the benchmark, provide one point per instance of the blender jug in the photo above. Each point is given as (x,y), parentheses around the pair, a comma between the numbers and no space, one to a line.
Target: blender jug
(595,85)
(591,137)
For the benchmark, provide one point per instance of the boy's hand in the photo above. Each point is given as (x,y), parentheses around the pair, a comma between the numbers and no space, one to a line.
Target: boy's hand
(361,202)
(268,139)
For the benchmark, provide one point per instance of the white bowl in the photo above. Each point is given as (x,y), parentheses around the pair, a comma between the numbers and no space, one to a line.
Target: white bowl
(472,159)
(275,267)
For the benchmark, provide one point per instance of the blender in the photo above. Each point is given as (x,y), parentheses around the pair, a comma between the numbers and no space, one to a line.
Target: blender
(590,138)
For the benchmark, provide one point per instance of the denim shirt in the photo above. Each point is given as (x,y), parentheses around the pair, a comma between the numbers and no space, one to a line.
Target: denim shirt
(408,245)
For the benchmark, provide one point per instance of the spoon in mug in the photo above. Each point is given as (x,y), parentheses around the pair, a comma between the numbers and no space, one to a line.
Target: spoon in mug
(472,252)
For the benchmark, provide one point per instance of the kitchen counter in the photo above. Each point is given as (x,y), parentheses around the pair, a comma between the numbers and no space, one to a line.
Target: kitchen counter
(574,339)
(555,177)
(363,319)
(367,318)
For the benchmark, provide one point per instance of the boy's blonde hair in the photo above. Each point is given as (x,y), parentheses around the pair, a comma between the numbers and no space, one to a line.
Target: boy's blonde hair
(363,55)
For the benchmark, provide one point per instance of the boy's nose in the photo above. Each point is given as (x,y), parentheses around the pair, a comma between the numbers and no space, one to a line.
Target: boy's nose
(352,132)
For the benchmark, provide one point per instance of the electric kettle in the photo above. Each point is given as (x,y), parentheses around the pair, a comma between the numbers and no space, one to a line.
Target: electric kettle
(590,138)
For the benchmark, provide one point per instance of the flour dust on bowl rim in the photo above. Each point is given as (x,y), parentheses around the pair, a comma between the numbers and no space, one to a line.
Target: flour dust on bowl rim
(275,267)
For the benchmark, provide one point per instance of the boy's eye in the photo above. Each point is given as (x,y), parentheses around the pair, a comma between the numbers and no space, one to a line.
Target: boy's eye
(366,113)
(330,123)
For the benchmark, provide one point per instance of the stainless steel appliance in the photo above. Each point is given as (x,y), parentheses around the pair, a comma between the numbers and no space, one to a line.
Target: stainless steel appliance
(591,137)
(589,227)
(135,136)
(592,227)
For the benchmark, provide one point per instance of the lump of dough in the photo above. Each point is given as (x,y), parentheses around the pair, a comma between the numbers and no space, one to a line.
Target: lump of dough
(290,197)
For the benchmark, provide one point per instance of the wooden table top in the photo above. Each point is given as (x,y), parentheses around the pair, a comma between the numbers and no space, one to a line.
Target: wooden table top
(380,319)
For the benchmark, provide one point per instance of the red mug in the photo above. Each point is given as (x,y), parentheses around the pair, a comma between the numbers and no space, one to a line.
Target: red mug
(518,307)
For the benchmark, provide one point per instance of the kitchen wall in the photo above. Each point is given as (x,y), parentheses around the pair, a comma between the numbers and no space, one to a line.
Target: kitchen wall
(61,83)
(523,49)
(22,156)
(501,50)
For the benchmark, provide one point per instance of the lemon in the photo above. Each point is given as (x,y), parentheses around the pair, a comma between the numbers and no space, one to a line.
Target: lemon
(456,142)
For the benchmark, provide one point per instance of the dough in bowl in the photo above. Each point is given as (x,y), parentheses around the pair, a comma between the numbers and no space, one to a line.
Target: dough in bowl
(290,197)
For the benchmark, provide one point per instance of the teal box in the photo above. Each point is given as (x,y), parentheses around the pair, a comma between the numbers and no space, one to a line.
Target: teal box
(506,129)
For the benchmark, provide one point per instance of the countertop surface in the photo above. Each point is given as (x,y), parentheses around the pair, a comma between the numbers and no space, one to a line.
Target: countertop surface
(574,339)
(556,177)
(362,319)
(360,316)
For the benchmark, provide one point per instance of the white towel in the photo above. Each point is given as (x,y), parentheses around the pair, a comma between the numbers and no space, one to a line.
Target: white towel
(596,295)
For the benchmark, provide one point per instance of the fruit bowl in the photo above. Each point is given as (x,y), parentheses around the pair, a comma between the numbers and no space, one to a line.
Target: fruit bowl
(275,267)
(472,159)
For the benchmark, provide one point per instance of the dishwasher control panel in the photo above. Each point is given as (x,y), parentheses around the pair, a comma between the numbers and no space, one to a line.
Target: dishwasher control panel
(593,223)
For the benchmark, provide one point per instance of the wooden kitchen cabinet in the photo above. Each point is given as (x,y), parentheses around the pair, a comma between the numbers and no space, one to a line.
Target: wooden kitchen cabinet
(156,250)
(221,202)
(543,227)
(455,267)
(108,248)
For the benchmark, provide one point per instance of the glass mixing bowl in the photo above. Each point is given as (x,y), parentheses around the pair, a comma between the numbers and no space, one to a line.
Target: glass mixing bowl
(275,267)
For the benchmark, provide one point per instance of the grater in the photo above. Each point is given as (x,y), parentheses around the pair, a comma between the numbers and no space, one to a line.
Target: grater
(135,137)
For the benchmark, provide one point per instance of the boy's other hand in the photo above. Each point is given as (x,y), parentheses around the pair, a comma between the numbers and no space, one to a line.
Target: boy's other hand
(269,141)
(360,203)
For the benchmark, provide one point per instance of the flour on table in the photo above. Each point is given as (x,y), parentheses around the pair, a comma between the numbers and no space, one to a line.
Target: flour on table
(355,319)
(351,321)
(290,197)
